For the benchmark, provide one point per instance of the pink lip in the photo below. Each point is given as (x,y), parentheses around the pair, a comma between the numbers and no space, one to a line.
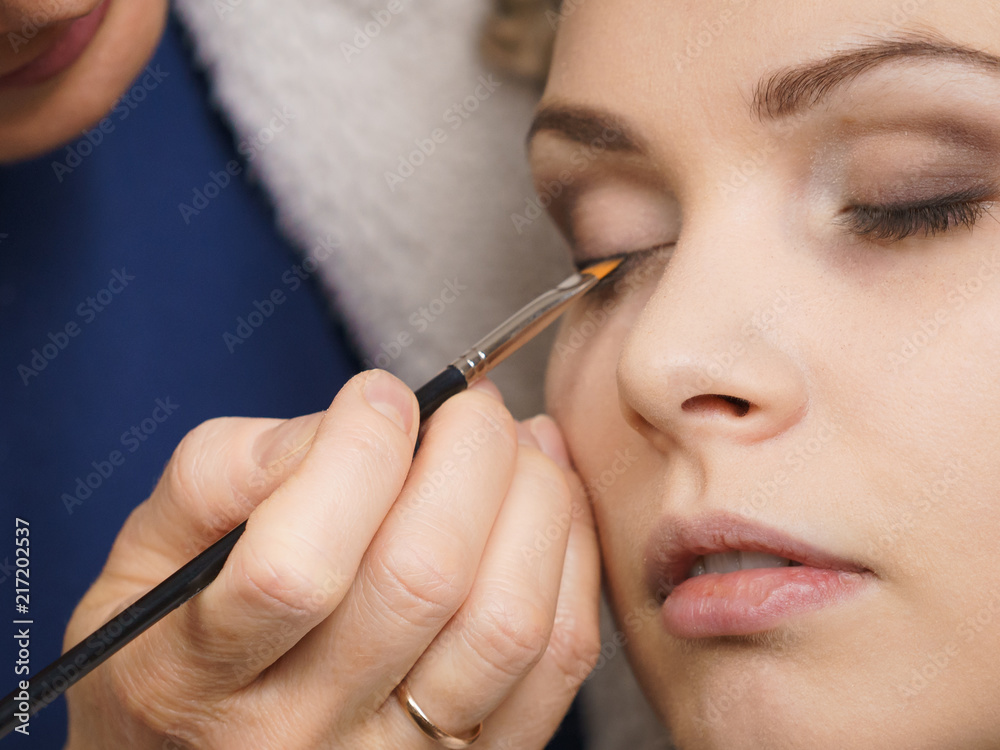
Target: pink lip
(746,601)
(65,50)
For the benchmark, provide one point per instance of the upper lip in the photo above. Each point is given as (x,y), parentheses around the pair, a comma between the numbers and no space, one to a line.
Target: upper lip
(677,542)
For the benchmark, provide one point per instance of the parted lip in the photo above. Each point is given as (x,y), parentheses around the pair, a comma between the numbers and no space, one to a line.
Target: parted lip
(677,542)
(67,43)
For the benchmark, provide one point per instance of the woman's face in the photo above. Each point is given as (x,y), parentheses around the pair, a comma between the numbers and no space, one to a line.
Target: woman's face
(806,371)
(63,63)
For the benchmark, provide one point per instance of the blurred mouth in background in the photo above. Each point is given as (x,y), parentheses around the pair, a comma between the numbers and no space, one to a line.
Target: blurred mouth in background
(68,42)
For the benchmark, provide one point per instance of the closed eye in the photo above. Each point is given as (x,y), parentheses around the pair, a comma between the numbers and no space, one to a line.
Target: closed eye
(895,222)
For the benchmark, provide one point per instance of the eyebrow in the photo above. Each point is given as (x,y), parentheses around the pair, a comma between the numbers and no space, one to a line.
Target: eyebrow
(804,86)
(781,94)
(587,126)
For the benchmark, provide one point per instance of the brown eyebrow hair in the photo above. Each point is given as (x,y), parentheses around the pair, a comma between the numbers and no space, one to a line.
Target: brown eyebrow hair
(587,126)
(781,94)
(797,88)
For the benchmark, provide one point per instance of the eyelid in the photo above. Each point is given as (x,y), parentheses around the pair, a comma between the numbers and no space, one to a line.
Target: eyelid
(930,217)
(633,260)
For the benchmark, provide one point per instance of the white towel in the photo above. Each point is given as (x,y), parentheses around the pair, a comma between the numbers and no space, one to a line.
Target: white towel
(333,102)
(401,149)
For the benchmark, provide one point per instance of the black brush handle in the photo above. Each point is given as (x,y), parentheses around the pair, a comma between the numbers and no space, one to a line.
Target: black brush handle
(164,598)
(439,389)
(121,629)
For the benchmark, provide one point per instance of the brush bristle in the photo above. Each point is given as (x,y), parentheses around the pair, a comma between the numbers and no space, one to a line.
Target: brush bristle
(604,267)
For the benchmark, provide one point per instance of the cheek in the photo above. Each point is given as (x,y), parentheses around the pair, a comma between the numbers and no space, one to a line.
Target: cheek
(615,464)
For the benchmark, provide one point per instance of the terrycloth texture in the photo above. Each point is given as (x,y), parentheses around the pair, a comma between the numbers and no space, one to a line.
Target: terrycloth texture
(399,148)
(422,263)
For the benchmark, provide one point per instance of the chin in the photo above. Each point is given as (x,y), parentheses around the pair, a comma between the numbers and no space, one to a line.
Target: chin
(40,117)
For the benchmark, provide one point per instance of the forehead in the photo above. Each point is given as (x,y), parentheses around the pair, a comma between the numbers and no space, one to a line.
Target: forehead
(699,63)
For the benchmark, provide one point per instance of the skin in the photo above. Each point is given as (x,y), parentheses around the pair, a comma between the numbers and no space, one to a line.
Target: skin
(889,461)
(471,571)
(327,602)
(37,118)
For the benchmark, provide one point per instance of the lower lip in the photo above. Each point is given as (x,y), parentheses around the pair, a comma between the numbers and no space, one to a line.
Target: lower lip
(753,601)
(70,44)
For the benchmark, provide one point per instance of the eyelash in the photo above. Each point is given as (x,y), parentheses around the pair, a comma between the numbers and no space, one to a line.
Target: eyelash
(632,262)
(930,218)
(876,223)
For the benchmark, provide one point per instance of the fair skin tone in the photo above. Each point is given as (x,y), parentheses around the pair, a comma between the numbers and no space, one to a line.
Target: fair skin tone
(791,359)
(53,107)
(812,352)
(360,566)
(357,570)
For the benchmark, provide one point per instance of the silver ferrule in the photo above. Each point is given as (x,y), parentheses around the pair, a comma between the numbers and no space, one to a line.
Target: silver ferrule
(521,327)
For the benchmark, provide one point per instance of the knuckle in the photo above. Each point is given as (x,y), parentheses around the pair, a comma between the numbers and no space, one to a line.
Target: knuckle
(280,583)
(190,482)
(421,584)
(160,698)
(574,647)
(373,451)
(479,415)
(546,479)
(510,634)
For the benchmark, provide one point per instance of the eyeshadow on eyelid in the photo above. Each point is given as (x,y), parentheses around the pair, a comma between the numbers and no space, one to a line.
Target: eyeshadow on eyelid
(943,129)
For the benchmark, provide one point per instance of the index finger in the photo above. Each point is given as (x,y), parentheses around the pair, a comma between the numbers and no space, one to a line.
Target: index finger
(217,475)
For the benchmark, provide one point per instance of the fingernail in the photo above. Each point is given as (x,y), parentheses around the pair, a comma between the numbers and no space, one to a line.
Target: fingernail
(550,439)
(487,386)
(286,439)
(525,436)
(389,397)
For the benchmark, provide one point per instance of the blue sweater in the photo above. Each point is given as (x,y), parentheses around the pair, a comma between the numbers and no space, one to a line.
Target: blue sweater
(143,290)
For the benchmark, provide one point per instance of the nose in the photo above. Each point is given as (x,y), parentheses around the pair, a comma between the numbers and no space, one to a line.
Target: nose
(713,356)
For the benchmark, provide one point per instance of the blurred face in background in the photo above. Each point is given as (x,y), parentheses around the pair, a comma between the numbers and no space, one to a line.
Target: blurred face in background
(786,406)
(63,63)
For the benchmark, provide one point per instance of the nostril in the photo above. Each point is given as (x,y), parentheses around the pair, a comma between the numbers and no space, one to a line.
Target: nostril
(738,407)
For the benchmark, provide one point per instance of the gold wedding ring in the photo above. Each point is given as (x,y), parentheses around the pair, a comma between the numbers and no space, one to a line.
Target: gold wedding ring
(428,727)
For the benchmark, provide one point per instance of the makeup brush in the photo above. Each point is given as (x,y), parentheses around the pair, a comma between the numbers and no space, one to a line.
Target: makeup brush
(48,684)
